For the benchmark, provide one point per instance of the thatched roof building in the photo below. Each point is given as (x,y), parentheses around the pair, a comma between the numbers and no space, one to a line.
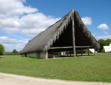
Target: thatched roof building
(69,33)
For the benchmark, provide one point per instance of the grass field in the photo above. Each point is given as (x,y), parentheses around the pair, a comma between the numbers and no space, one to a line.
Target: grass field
(87,68)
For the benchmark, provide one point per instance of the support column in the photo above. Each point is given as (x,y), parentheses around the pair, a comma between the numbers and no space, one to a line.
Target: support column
(81,51)
(67,53)
(46,55)
(73,36)
(88,51)
(94,52)
(70,53)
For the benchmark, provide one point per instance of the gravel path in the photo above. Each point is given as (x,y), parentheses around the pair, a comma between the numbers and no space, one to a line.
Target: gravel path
(11,79)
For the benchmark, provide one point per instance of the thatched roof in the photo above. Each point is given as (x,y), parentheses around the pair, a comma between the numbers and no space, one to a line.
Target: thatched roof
(47,38)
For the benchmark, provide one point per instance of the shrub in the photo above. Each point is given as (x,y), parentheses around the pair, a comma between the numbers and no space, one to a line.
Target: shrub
(15,52)
(2,51)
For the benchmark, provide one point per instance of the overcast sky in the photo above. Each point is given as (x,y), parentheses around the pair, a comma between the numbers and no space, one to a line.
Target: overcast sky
(21,20)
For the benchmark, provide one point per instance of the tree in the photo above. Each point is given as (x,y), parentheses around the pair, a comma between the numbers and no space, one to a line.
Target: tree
(101,42)
(15,51)
(2,51)
(107,42)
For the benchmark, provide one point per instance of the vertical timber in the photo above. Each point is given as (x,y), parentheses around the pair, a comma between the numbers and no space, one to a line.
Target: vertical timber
(46,55)
(73,36)
(81,51)
(88,51)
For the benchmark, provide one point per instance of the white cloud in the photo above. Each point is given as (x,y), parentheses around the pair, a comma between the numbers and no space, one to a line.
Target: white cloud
(103,26)
(33,24)
(14,20)
(104,37)
(15,17)
(9,22)
(11,30)
(87,20)
(14,8)
(10,43)
(31,32)
(6,40)
(105,32)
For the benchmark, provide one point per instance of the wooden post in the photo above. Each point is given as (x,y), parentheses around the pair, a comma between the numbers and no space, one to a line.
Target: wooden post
(46,55)
(70,53)
(67,53)
(73,36)
(94,52)
(76,52)
(64,53)
(88,51)
(81,51)
(59,54)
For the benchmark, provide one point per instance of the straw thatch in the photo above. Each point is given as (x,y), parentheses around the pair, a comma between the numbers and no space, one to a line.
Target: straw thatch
(55,35)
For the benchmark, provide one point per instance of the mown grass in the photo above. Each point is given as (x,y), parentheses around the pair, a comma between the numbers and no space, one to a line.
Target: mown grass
(87,68)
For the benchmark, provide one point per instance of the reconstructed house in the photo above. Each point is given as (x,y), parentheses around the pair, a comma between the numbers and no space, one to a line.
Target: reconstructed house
(107,48)
(66,35)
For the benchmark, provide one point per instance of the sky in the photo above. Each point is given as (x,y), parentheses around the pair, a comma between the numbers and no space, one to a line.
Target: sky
(21,20)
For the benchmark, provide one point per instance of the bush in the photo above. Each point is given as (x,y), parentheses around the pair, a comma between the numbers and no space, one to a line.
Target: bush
(15,52)
(2,51)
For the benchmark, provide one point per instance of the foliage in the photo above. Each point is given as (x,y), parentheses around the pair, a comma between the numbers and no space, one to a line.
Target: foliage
(2,51)
(14,51)
(9,53)
(88,68)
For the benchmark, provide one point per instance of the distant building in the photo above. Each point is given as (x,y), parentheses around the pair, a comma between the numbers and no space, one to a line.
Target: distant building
(92,50)
(107,48)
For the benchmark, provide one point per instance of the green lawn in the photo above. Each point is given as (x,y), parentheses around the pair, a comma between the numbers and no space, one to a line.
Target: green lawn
(87,68)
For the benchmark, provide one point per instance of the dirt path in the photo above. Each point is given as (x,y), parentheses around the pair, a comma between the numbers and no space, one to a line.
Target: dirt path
(11,79)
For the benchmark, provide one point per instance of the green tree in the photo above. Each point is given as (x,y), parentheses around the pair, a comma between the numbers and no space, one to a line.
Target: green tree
(101,42)
(15,51)
(2,51)
(107,42)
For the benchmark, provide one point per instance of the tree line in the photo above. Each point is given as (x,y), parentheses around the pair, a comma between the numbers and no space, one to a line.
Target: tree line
(2,51)
(102,43)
